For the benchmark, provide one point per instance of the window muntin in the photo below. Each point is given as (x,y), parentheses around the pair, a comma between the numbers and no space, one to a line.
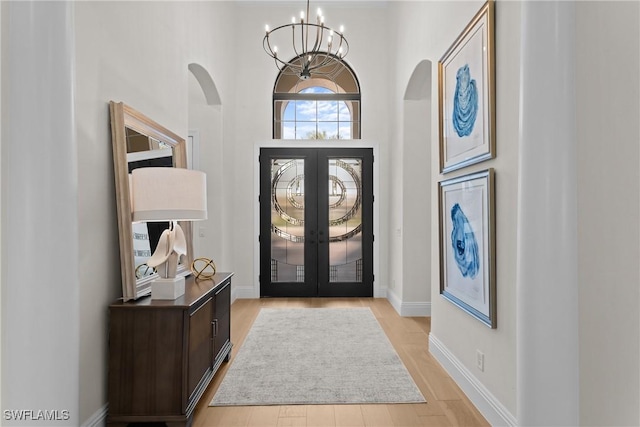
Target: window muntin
(317,108)
(316,119)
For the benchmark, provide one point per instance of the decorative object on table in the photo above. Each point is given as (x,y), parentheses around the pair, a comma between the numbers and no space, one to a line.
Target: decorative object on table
(161,194)
(143,270)
(203,268)
(307,356)
(313,47)
(467,244)
(466,95)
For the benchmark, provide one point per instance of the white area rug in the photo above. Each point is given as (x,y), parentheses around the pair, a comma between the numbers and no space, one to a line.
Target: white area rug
(316,356)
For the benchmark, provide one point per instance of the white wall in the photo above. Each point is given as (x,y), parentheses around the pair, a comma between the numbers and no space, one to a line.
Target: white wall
(40,285)
(608,174)
(416,199)
(1,209)
(137,53)
(588,313)
(608,108)
(409,208)
(547,282)
(206,121)
(425,31)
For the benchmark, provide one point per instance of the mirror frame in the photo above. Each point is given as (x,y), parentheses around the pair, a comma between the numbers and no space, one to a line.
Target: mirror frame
(122,117)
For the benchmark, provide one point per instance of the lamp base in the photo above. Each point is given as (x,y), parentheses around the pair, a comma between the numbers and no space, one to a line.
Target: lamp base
(168,289)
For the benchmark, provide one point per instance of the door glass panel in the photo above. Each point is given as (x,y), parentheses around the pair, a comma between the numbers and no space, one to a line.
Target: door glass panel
(345,220)
(287,220)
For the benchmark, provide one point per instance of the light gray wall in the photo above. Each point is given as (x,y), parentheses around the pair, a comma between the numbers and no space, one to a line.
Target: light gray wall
(608,108)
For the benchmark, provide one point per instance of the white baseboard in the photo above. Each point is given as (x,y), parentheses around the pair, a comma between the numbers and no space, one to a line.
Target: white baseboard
(379,292)
(244,292)
(98,419)
(488,405)
(409,309)
(394,300)
(415,309)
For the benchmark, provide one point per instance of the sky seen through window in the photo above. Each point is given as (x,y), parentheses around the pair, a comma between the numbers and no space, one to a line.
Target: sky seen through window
(311,119)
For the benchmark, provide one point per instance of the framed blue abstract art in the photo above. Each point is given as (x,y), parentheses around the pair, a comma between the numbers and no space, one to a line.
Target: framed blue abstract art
(467,244)
(466,86)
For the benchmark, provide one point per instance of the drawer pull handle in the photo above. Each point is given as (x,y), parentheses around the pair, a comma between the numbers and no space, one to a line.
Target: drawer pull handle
(215,327)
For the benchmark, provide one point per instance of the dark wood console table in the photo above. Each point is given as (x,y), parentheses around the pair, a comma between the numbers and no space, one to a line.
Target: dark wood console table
(164,353)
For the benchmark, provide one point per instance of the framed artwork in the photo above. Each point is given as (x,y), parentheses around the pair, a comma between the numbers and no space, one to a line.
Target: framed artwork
(467,244)
(466,86)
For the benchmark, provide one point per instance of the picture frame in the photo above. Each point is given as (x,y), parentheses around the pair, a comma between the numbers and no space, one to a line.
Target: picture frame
(466,95)
(467,244)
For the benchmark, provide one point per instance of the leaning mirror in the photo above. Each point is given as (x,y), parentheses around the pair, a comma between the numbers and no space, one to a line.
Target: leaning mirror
(139,142)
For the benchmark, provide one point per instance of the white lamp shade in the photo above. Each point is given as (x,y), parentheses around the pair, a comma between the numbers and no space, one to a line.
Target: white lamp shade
(168,194)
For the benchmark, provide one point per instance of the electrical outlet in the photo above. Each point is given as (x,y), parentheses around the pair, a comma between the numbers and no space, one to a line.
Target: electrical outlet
(201,231)
(480,360)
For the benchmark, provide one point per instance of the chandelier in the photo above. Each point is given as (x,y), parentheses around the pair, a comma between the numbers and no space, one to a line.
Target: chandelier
(315,48)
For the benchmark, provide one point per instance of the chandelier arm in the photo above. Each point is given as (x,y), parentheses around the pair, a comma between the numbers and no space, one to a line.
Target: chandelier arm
(267,48)
(327,59)
(293,38)
(302,28)
(339,47)
(305,48)
(319,36)
(324,63)
(267,45)
(346,44)
(278,61)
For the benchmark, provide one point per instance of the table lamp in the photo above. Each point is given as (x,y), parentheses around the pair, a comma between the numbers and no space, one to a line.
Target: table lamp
(164,194)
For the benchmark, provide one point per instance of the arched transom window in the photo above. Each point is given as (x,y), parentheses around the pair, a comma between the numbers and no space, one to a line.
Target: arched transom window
(324,106)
